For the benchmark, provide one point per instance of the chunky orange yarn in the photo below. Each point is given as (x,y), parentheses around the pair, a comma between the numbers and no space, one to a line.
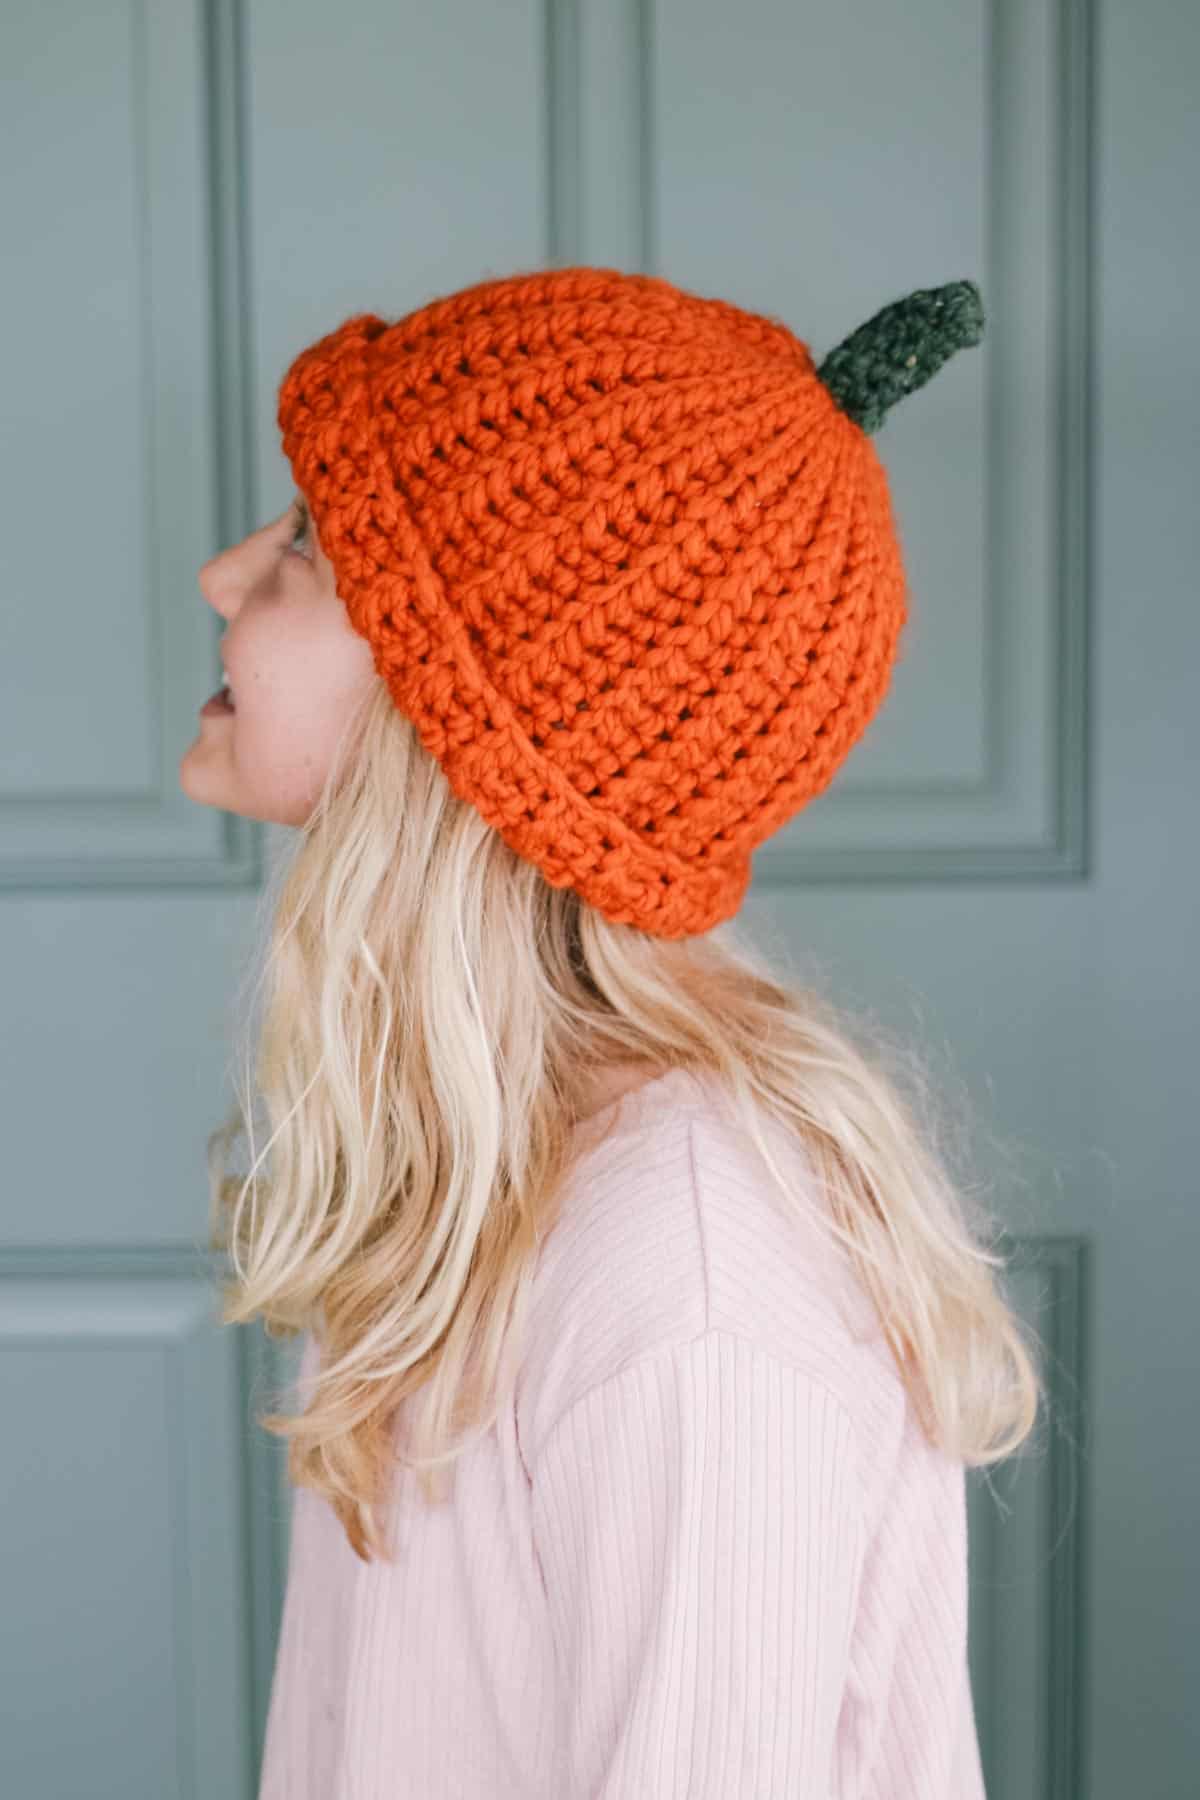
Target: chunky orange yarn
(621,558)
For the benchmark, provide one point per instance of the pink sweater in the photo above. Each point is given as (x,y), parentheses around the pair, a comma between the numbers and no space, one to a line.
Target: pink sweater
(705,1552)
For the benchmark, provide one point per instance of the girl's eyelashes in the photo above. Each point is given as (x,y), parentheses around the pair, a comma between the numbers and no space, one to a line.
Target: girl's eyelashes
(299,527)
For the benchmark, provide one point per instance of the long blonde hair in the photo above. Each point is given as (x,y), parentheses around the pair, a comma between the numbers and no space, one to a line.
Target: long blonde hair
(433,1009)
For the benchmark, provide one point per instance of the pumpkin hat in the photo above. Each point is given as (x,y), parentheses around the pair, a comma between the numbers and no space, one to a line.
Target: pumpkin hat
(625,557)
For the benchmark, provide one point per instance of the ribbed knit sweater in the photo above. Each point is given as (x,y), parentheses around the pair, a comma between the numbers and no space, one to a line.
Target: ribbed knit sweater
(705,1552)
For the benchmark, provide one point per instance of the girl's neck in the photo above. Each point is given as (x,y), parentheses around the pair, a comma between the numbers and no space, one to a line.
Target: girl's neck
(608,1085)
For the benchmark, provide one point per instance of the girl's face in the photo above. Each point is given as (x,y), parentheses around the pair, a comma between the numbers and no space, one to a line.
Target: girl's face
(296,668)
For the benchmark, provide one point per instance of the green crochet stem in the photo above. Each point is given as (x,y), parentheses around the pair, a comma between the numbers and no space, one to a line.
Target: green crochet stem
(900,348)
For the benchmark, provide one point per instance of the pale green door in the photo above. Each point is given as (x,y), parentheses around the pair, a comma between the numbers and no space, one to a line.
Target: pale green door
(1006,869)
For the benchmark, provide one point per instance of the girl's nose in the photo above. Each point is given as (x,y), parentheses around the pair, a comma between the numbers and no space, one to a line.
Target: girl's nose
(220,582)
(229,575)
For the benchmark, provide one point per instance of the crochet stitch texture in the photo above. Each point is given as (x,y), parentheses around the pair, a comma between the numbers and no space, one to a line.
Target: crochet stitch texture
(623,560)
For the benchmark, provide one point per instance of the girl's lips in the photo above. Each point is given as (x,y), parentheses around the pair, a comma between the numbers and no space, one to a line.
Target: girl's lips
(216,703)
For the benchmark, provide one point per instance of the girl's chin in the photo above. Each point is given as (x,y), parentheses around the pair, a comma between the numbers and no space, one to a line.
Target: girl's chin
(197,773)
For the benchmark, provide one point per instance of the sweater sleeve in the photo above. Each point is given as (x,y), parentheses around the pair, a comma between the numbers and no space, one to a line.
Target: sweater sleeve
(698,1519)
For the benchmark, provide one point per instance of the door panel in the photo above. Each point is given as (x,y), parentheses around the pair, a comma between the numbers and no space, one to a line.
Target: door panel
(1003,872)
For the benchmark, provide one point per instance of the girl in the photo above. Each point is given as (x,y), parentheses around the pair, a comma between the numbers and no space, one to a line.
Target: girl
(646,1338)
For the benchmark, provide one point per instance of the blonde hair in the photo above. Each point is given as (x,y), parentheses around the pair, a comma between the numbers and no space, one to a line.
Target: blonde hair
(433,1009)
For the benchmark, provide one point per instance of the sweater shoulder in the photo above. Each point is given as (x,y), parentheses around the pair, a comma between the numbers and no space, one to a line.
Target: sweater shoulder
(672,1227)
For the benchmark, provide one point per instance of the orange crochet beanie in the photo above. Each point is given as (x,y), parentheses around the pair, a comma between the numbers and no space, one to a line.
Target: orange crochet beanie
(625,557)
